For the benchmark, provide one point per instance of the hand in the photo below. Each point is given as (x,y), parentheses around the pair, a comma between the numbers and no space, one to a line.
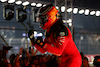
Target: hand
(32,52)
(27,53)
(31,36)
(7,48)
(21,50)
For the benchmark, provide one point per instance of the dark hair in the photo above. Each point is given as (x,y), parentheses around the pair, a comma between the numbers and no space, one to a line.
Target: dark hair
(96,62)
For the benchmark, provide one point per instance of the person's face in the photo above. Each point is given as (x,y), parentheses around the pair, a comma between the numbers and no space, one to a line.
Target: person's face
(42,20)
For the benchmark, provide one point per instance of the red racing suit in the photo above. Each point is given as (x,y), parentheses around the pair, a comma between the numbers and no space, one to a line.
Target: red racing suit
(59,42)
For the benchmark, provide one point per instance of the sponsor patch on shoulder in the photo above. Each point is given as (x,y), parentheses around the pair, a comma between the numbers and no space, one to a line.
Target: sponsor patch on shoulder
(62,33)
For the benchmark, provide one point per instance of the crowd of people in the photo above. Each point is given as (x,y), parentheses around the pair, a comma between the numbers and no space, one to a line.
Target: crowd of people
(27,58)
(30,58)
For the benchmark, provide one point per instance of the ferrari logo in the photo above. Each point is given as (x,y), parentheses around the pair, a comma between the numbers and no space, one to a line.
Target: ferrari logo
(38,41)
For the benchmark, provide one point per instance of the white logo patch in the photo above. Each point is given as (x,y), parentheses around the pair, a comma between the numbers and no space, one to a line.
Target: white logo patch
(62,33)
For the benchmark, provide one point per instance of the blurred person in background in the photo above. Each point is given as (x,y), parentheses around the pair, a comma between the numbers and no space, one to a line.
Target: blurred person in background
(96,61)
(58,38)
(11,58)
(85,62)
(16,62)
(3,58)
